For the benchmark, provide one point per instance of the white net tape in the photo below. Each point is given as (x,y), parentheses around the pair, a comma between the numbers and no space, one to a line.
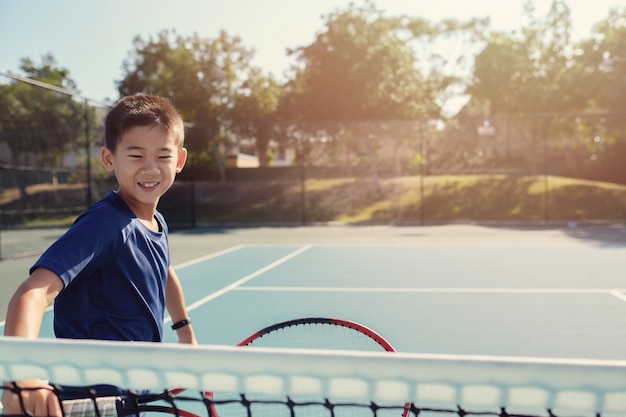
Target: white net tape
(578,387)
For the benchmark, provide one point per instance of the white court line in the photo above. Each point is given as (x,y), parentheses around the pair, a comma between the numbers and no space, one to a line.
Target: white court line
(614,292)
(225,289)
(209,256)
(619,294)
(247,278)
(179,266)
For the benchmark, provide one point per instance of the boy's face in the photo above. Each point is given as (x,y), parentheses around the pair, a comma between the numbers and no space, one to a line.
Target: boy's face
(145,164)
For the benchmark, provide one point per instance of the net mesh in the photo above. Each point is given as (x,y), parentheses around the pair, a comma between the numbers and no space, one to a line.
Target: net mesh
(234,381)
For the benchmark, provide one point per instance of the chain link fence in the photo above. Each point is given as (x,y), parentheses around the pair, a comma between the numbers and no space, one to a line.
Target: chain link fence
(561,167)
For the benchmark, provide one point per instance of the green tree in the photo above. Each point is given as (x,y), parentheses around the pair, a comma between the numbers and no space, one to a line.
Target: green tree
(359,68)
(38,125)
(525,79)
(201,76)
(530,70)
(366,70)
(603,56)
(602,65)
(35,120)
(253,115)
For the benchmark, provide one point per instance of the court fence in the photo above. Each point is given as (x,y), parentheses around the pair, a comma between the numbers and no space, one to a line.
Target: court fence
(541,168)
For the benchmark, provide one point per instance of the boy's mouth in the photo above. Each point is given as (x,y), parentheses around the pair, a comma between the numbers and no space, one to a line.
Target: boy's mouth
(148,184)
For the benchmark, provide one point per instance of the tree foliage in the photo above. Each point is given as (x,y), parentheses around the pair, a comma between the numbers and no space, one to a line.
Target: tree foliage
(364,76)
(360,86)
(253,115)
(530,70)
(201,76)
(603,57)
(359,68)
(35,123)
(556,94)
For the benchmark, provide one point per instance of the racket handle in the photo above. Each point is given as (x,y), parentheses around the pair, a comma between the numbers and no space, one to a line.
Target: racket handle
(85,407)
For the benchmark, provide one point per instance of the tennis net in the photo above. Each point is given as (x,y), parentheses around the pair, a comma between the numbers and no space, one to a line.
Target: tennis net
(235,381)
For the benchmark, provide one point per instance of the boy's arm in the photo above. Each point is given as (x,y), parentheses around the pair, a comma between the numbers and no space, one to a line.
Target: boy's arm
(175,303)
(24,317)
(28,304)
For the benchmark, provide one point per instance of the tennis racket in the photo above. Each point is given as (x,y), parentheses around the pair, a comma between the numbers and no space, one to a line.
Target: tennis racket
(317,333)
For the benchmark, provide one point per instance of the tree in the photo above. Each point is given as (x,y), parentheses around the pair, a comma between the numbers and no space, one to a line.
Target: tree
(37,124)
(530,71)
(366,70)
(603,57)
(359,68)
(201,76)
(37,120)
(254,112)
(602,65)
(527,77)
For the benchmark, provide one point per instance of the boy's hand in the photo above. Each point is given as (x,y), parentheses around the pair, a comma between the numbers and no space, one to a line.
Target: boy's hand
(40,402)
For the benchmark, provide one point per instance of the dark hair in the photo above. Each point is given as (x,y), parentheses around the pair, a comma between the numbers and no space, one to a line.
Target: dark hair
(142,110)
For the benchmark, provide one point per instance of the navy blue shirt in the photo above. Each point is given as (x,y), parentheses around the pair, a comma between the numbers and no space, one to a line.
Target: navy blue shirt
(114,270)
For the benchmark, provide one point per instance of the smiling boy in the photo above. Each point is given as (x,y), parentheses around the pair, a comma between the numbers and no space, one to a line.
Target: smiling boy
(109,275)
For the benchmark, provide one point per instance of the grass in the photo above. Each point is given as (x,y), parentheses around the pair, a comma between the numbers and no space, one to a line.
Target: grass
(408,199)
(453,198)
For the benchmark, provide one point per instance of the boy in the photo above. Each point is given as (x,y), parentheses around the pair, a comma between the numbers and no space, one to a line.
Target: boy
(110,275)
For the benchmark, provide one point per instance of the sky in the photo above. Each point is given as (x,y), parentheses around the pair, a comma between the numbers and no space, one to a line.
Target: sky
(93,38)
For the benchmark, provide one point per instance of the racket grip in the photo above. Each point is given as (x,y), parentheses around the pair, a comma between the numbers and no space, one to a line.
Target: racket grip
(86,407)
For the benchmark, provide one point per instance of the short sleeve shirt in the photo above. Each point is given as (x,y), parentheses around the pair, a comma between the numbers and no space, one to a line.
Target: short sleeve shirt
(114,270)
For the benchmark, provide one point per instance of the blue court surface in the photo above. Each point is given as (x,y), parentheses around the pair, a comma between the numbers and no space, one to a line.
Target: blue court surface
(542,292)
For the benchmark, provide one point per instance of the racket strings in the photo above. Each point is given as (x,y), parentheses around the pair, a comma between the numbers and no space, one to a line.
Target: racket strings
(313,333)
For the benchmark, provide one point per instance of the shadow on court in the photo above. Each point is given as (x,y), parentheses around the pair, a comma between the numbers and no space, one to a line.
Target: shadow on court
(606,236)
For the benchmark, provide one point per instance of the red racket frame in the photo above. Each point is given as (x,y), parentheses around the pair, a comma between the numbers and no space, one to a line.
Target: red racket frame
(382,342)
(320,320)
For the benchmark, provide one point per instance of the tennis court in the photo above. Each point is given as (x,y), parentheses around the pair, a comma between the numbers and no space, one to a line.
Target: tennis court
(499,321)
(555,292)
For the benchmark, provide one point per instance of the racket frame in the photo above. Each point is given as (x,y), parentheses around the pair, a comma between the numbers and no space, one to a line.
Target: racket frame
(320,320)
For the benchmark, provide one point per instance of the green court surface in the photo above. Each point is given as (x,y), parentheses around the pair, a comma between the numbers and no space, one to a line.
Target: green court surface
(549,292)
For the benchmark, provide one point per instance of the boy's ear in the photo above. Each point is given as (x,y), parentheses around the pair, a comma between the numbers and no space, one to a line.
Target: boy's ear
(107,158)
(182,158)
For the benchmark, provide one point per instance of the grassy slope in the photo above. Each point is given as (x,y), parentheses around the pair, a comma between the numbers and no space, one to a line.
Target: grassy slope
(405,199)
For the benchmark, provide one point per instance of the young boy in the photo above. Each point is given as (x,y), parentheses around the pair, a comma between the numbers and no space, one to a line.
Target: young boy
(109,275)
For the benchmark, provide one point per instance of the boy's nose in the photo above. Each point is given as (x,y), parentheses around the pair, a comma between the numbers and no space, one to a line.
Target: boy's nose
(149,166)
